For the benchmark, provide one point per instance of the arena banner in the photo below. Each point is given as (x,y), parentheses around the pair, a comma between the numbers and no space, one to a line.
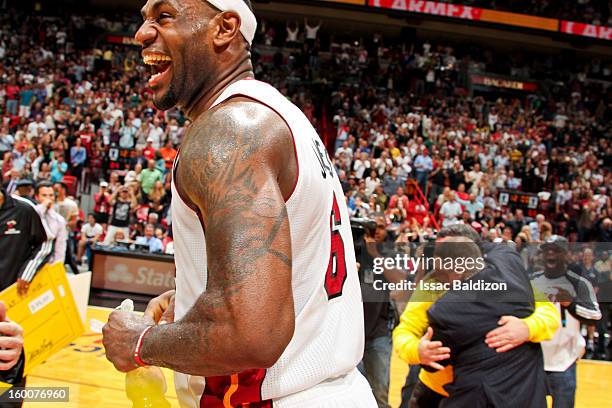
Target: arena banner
(500,82)
(586,30)
(355,2)
(468,13)
(430,7)
(131,272)
(519,20)
(121,39)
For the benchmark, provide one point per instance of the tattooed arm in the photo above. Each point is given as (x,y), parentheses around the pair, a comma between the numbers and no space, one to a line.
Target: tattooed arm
(230,167)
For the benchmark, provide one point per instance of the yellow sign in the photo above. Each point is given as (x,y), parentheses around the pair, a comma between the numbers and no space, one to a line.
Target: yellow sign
(4,387)
(48,314)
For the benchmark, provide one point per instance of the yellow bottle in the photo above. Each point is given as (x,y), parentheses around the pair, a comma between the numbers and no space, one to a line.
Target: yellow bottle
(145,386)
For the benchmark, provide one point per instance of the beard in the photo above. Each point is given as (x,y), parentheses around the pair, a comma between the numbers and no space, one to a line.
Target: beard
(167,100)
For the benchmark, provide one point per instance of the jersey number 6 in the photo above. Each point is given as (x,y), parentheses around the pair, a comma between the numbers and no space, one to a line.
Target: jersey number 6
(336,268)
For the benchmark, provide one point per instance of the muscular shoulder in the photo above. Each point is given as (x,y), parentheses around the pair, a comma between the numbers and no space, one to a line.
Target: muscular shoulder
(239,129)
(238,142)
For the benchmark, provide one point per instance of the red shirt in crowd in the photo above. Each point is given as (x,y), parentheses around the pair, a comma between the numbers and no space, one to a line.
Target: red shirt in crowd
(168,154)
(102,203)
(149,153)
(87,140)
(394,201)
(12,92)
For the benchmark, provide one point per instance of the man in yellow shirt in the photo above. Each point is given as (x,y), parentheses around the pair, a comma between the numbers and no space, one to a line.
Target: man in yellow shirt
(412,338)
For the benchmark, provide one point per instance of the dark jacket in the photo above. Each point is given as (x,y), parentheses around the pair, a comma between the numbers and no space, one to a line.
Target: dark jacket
(24,245)
(461,320)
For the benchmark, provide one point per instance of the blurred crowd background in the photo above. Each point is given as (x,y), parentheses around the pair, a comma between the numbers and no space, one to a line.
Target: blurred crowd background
(413,145)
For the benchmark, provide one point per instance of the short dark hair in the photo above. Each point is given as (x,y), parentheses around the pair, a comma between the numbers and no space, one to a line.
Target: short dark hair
(62,184)
(459,230)
(42,184)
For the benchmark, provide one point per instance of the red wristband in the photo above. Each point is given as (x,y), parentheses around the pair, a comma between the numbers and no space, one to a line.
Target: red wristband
(137,358)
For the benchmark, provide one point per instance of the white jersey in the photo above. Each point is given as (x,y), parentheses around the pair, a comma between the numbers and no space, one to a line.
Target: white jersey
(567,345)
(329,335)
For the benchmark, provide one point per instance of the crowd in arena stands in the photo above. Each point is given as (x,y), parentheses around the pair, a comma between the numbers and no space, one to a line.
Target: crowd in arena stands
(585,11)
(411,144)
(73,115)
(77,115)
(463,150)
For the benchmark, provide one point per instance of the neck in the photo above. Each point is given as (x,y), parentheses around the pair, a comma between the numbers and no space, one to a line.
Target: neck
(203,100)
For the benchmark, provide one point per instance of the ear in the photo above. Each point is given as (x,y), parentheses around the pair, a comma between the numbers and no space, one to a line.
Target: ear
(228,27)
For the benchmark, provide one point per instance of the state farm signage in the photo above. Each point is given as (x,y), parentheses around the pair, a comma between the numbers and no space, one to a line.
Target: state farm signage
(430,7)
(586,30)
(147,276)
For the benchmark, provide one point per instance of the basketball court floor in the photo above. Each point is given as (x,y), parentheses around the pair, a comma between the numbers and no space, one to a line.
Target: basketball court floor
(93,381)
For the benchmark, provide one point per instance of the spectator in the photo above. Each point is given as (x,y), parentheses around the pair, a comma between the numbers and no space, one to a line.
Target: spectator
(587,270)
(54,223)
(123,204)
(102,204)
(155,134)
(44,174)
(391,183)
(26,98)
(168,153)
(311,32)
(36,128)
(450,210)
(149,239)
(473,206)
(399,199)
(91,232)
(12,179)
(423,166)
(58,167)
(78,156)
(7,141)
(149,151)
(513,183)
(149,176)
(64,205)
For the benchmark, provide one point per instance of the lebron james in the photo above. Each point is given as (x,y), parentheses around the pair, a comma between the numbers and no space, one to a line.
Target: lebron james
(267,310)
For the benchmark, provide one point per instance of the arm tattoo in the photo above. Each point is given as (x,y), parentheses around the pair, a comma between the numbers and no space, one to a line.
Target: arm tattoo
(227,169)
(221,174)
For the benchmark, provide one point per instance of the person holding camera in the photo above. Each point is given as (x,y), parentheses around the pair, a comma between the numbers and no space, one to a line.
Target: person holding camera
(123,204)
(379,312)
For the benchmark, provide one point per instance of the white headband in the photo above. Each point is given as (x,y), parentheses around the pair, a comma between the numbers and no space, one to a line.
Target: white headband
(248,23)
